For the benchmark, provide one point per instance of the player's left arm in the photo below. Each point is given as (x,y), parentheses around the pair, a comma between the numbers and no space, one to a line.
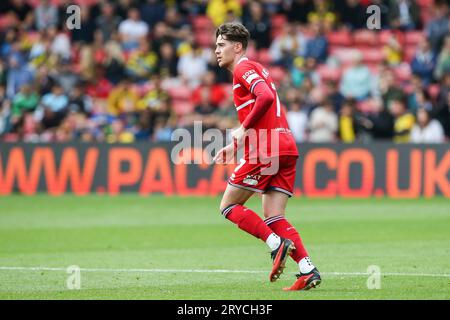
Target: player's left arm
(263,101)
(254,82)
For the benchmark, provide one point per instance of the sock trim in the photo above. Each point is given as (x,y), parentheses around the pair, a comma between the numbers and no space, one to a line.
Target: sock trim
(271,220)
(228,209)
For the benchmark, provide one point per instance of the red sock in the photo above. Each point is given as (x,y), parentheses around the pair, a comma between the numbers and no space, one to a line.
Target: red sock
(248,221)
(284,229)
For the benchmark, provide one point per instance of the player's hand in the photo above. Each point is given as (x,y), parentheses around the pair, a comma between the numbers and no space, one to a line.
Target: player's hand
(238,134)
(224,155)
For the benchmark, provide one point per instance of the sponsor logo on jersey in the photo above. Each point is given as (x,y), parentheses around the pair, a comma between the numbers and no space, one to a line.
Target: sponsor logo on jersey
(265,73)
(252,179)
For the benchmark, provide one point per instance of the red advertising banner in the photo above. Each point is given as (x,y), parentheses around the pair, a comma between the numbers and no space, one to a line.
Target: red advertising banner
(323,170)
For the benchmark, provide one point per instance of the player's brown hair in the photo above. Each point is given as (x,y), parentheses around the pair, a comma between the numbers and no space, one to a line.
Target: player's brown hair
(234,31)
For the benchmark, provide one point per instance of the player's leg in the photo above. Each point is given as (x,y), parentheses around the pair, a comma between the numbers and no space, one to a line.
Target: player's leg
(246,180)
(232,208)
(274,207)
(275,200)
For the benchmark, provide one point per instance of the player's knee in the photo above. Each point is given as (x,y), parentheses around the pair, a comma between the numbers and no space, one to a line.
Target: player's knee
(225,208)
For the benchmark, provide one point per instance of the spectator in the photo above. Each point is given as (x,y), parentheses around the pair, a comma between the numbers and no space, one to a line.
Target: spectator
(217,10)
(132,30)
(323,124)
(163,132)
(60,45)
(298,72)
(142,62)
(298,10)
(443,60)
(204,111)
(216,90)
(333,94)
(403,121)
(46,15)
(163,121)
(79,102)
(122,99)
(114,63)
(66,77)
(379,124)
(23,12)
(419,99)
(393,51)
(119,134)
(53,107)
(348,126)
(388,88)
(258,24)
(323,14)
(404,14)
(441,110)
(424,62)
(351,13)
(154,97)
(193,65)
(356,80)
(85,34)
(298,121)
(168,62)
(438,27)
(18,75)
(108,22)
(26,100)
(317,46)
(153,11)
(288,45)
(427,130)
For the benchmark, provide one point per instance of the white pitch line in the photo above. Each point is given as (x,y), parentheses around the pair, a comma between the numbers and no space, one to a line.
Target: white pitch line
(218,271)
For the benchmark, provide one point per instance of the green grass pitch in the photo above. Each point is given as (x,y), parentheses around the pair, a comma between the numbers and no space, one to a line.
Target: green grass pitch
(133,247)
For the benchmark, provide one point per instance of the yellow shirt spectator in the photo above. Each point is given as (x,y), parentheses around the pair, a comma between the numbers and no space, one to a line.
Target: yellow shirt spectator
(346,131)
(217,10)
(122,99)
(402,127)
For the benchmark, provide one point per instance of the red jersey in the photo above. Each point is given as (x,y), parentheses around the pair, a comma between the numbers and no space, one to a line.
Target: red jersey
(246,75)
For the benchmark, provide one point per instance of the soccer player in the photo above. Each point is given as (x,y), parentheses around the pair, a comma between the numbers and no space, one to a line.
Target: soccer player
(260,113)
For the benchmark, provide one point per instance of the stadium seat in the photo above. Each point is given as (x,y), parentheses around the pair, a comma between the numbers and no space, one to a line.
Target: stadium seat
(385,35)
(403,72)
(264,57)
(413,37)
(343,54)
(409,52)
(365,38)
(277,74)
(278,20)
(327,73)
(182,107)
(202,23)
(433,91)
(372,55)
(365,106)
(5,21)
(425,3)
(340,38)
(204,39)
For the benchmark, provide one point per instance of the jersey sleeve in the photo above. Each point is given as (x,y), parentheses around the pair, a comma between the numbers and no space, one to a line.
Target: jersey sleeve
(247,76)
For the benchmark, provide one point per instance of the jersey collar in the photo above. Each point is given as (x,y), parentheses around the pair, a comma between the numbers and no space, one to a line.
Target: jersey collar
(242,59)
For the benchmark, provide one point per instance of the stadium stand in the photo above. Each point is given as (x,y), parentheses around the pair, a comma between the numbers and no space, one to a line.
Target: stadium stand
(175,43)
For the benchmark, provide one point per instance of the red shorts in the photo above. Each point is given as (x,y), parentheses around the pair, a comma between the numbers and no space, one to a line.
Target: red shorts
(262,177)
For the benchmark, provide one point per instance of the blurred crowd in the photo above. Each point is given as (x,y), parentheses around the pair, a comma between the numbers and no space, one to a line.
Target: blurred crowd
(137,70)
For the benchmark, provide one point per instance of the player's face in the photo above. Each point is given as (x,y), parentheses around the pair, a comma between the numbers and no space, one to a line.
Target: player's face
(225,52)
